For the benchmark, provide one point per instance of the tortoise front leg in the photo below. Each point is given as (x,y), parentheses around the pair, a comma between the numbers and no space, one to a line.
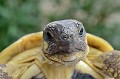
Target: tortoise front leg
(20,71)
(109,64)
(33,72)
(4,74)
(12,71)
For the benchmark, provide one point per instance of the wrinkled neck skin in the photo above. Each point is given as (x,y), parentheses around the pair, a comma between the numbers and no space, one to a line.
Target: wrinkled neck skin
(54,72)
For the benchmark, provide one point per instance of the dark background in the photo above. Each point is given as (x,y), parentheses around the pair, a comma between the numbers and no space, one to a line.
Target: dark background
(21,17)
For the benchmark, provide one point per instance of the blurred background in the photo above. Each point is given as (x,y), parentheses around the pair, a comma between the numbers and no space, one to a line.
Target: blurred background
(21,17)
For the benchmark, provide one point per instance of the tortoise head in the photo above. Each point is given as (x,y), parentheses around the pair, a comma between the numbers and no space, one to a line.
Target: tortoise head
(64,42)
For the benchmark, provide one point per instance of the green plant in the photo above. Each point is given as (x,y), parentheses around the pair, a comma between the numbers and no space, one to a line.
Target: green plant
(17,18)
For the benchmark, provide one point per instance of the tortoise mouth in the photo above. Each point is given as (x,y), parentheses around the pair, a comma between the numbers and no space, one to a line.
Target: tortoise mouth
(61,62)
(65,59)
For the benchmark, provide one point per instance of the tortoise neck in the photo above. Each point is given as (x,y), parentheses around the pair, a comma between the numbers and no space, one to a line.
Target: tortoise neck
(55,72)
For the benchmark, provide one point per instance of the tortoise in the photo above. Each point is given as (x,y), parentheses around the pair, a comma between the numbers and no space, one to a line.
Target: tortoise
(63,50)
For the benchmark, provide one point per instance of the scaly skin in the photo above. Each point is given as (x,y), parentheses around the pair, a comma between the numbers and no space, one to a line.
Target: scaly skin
(4,74)
(109,64)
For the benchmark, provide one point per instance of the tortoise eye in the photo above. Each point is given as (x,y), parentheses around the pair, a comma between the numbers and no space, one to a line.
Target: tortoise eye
(81,32)
(49,36)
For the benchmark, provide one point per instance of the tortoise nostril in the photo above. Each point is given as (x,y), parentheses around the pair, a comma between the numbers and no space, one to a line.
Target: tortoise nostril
(60,48)
(70,36)
(67,37)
